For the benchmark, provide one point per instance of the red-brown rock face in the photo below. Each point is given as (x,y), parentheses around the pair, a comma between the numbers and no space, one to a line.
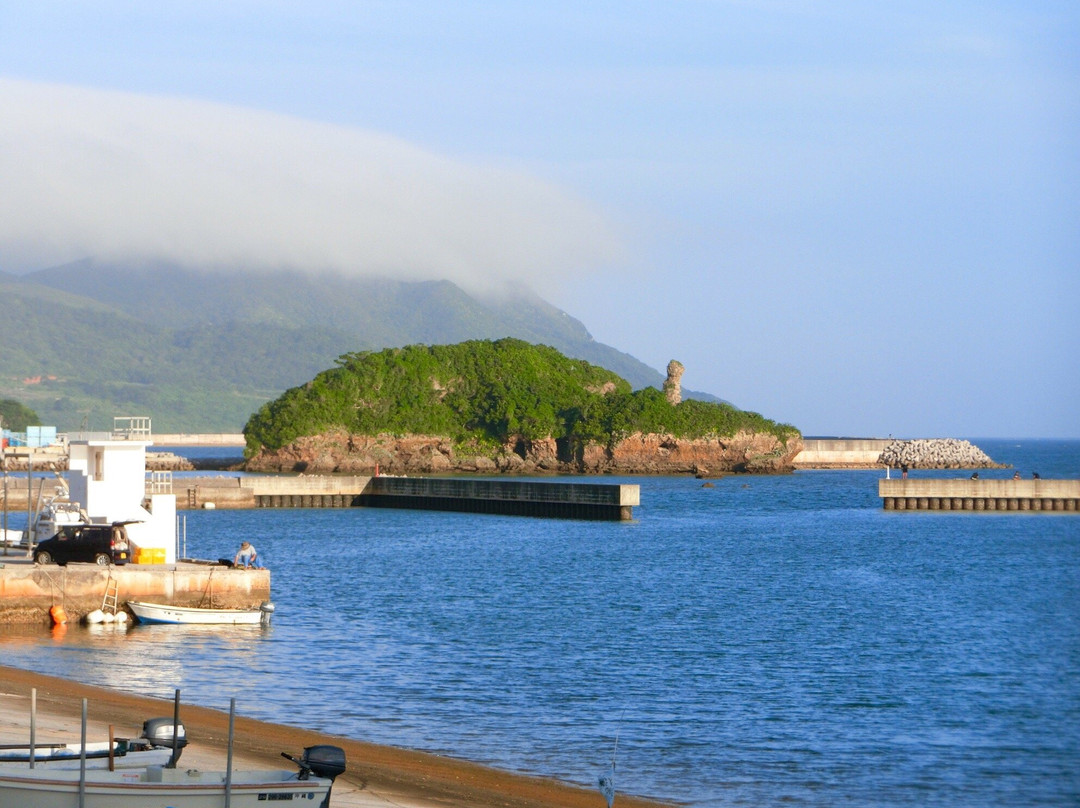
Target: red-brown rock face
(664,454)
(426,454)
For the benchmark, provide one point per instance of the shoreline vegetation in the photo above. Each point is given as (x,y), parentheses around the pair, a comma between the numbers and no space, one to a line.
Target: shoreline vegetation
(376,775)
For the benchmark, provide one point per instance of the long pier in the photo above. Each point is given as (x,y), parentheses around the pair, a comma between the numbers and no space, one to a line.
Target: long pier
(509,497)
(980,495)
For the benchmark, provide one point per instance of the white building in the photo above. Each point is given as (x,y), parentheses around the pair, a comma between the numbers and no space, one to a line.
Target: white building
(107,476)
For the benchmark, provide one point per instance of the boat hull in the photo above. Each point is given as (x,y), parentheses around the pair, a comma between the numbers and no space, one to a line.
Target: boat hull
(158,613)
(156,787)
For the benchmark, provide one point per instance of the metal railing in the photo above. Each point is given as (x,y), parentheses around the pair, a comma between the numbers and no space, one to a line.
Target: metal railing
(131,427)
(159,482)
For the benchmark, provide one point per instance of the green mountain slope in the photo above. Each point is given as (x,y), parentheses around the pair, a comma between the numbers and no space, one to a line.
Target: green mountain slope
(202,351)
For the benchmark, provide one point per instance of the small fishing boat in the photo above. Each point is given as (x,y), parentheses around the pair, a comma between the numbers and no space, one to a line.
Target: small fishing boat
(13,539)
(162,613)
(182,788)
(68,756)
(153,748)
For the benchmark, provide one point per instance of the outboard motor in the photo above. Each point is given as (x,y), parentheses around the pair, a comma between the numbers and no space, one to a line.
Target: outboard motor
(323,761)
(267,609)
(159,732)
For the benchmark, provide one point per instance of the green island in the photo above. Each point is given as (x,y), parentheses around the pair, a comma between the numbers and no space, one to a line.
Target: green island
(491,397)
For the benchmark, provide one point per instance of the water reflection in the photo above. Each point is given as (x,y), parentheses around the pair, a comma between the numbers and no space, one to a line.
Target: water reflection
(152,656)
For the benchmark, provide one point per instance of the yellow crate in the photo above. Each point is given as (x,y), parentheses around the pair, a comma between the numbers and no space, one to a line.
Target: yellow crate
(149,555)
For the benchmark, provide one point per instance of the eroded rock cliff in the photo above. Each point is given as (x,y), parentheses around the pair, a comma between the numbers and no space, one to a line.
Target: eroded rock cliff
(426,454)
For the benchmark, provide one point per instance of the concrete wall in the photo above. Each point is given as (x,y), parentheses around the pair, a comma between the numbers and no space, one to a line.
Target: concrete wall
(28,591)
(840,453)
(511,497)
(979,495)
(199,439)
(518,490)
(252,492)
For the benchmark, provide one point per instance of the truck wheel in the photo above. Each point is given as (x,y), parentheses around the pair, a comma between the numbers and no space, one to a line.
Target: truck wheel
(43,558)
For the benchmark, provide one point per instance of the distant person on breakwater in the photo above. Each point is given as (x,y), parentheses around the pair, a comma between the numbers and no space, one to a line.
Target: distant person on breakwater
(247,557)
(903,472)
(975,475)
(1035,475)
(1016,475)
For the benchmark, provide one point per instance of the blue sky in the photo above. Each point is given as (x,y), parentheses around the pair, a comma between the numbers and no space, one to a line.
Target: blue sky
(859,218)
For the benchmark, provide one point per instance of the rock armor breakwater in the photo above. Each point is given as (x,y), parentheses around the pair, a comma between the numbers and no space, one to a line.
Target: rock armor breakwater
(944,453)
(341,452)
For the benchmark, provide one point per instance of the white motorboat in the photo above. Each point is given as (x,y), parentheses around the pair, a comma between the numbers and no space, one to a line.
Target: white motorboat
(163,613)
(180,788)
(68,756)
(153,748)
(13,538)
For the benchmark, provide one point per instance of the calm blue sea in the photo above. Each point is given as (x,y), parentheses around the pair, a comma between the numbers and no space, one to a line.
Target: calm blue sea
(766,640)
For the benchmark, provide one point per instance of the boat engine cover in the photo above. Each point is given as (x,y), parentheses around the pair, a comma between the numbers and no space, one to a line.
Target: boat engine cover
(159,731)
(324,760)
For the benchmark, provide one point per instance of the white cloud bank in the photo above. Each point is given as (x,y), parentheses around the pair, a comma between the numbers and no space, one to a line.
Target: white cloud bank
(135,179)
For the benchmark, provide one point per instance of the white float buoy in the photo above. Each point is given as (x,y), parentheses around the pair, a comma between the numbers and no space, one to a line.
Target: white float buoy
(96,616)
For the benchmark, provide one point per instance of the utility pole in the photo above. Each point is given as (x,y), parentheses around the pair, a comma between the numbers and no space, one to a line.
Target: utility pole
(29,499)
(3,465)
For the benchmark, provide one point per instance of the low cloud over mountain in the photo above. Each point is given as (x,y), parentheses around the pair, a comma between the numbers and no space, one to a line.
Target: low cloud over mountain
(134,179)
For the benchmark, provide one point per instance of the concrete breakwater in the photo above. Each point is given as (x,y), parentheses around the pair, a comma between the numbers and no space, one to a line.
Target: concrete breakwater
(859,453)
(511,497)
(945,453)
(840,453)
(53,459)
(980,495)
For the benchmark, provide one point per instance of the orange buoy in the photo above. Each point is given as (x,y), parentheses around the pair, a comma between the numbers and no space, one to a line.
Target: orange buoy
(58,615)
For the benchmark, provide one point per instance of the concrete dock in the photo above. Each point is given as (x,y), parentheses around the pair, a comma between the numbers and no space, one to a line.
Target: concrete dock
(28,590)
(980,495)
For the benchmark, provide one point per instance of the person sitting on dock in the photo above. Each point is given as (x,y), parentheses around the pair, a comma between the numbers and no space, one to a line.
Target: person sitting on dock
(975,476)
(247,557)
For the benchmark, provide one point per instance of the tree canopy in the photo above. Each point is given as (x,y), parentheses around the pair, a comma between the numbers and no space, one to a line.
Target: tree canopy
(489,392)
(16,416)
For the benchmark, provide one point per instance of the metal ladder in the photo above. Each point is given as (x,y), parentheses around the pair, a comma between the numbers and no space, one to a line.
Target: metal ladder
(109,602)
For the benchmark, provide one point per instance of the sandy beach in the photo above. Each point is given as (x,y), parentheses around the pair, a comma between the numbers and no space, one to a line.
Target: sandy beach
(377,776)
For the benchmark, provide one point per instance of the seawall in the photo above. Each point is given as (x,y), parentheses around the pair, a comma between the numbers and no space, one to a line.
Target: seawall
(510,497)
(840,453)
(28,590)
(980,495)
(199,439)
